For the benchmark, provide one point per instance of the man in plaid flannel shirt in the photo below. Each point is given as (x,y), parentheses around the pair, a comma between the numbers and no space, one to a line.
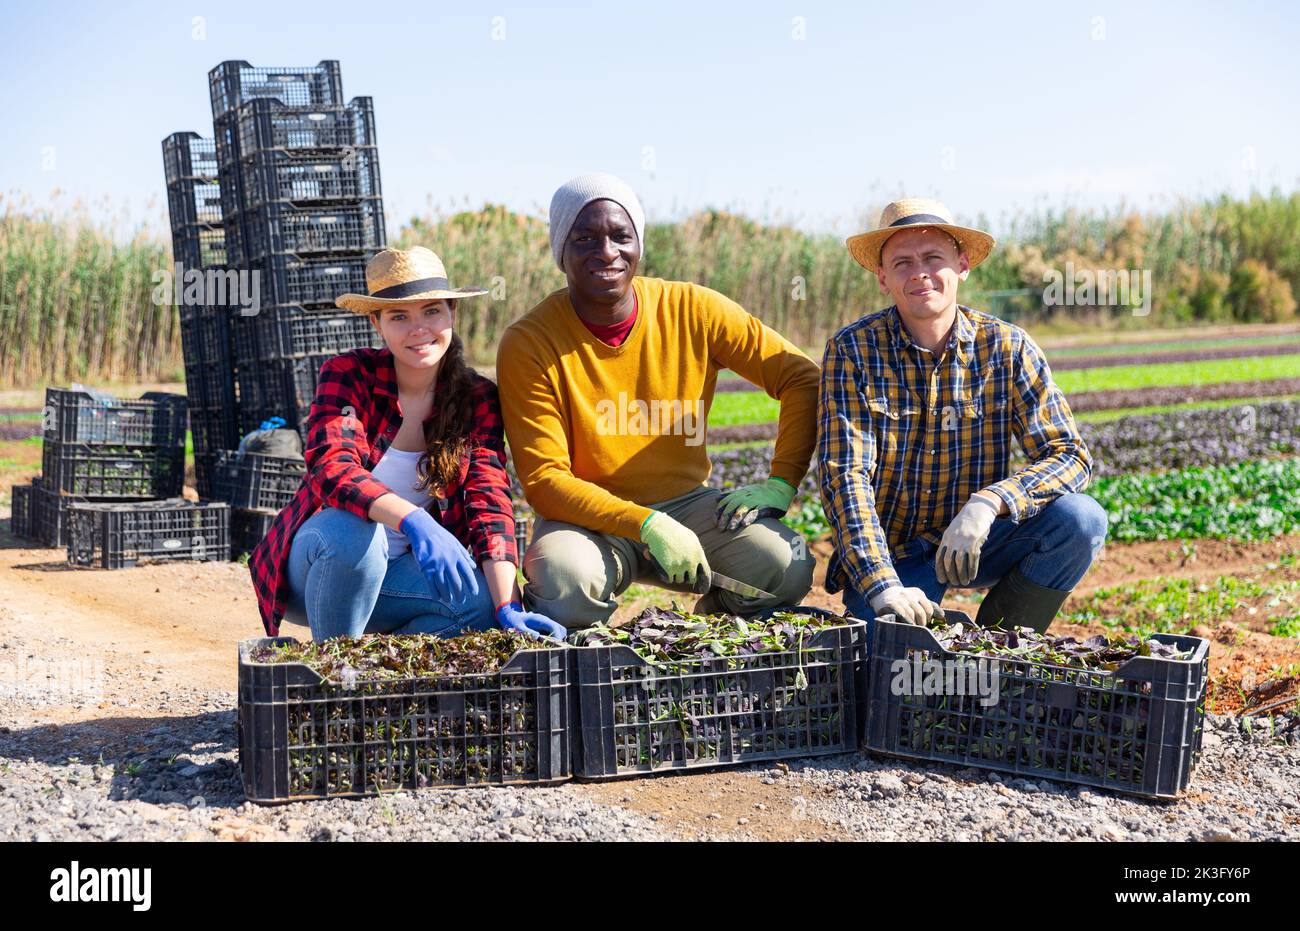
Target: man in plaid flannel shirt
(918,407)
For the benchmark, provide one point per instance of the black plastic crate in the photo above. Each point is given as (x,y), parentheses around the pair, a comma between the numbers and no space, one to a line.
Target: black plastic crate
(262,136)
(205,336)
(50,514)
(47,514)
(210,377)
(256,481)
(636,718)
(209,386)
(20,513)
(203,464)
(280,226)
(341,176)
(154,419)
(248,528)
(115,536)
(194,202)
(188,155)
(199,246)
(1136,729)
(268,127)
(292,332)
(279,388)
(104,471)
(214,428)
(309,280)
(233,83)
(301,737)
(197,225)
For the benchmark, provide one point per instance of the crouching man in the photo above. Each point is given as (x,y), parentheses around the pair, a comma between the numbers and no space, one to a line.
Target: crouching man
(605,388)
(919,405)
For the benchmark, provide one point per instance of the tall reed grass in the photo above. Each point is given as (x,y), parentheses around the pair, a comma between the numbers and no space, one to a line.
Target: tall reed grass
(1217,261)
(76,302)
(75,298)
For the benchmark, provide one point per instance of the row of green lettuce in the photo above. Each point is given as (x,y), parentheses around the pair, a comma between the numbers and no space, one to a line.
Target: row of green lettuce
(1255,500)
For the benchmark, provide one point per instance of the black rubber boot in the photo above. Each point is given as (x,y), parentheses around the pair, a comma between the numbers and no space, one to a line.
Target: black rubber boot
(1015,601)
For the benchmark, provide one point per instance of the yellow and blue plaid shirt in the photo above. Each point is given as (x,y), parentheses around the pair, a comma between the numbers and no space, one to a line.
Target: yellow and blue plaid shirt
(906,436)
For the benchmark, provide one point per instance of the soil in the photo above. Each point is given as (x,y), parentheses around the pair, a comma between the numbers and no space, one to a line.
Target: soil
(1164,357)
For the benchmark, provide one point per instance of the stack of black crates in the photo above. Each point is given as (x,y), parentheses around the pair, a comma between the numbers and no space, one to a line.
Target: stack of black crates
(198,245)
(104,463)
(301,202)
(292,173)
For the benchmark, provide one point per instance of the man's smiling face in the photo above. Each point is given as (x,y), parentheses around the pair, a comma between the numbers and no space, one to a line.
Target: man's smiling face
(921,268)
(601,253)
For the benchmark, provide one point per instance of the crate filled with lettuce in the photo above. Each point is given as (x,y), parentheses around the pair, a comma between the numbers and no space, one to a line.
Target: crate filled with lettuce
(672,690)
(357,716)
(1123,713)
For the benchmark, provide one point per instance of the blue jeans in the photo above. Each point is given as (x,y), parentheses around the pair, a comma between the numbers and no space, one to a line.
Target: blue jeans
(1054,549)
(344,583)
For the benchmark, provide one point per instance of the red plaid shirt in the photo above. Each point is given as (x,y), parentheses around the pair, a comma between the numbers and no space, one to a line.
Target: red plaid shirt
(353,420)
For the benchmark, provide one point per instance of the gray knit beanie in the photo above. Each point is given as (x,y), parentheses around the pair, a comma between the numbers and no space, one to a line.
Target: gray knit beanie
(577,193)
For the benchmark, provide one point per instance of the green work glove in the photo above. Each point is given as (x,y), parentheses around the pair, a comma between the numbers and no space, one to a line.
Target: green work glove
(749,502)
(675,548)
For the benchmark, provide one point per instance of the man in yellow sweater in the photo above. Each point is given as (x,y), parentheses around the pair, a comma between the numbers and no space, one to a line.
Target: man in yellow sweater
(606,387)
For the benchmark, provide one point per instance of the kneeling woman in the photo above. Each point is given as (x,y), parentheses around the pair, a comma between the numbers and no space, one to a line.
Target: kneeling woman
(390,431)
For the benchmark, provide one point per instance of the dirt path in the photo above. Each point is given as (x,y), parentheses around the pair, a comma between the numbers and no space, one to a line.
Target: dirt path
(182,618)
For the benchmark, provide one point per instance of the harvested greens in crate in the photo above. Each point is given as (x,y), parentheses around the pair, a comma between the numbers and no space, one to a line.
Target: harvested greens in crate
(362,715)
(674,690)
(1121,713)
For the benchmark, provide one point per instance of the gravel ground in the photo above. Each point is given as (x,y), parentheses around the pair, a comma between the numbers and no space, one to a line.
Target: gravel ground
(180,781)
(1246,787)
(123,768)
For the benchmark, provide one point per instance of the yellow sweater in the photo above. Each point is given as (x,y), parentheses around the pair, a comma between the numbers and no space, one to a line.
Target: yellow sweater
(597,432)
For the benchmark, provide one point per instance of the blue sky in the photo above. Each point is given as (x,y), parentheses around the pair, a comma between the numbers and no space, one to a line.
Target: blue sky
(991,107)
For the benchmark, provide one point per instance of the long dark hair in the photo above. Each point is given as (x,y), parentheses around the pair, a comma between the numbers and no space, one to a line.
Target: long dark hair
(446,435)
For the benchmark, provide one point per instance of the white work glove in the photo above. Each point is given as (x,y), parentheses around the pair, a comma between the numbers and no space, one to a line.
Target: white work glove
(958,559)
(909,605)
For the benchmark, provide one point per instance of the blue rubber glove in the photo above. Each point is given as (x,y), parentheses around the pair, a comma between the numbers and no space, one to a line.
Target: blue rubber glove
(512,616)
(446,564)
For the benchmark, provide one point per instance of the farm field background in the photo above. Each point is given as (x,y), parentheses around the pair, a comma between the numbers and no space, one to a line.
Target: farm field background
(1194,430)
(1184,483)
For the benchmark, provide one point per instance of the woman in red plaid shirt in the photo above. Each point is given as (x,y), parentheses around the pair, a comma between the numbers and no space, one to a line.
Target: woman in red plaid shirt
(391,432)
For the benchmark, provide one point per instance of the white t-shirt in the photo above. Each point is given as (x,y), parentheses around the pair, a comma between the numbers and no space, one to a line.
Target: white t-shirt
(396,469)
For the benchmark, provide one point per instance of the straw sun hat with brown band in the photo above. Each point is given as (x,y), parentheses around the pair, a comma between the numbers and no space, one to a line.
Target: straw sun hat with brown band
(917,211)
(399,276)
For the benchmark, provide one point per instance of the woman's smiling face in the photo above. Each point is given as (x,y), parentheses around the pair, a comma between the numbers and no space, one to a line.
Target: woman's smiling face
(418,333)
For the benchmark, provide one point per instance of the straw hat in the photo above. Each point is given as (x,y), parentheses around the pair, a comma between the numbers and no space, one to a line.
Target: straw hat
(396,276)
(917,211)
